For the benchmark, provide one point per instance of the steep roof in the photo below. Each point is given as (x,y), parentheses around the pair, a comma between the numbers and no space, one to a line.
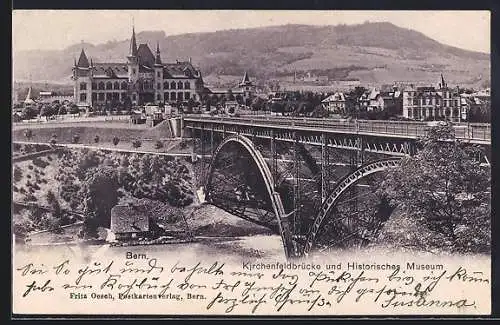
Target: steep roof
(133,44)
(145,55)
(335,97)
(110,70)
(180,69)
(245,80)
(83,62)
(128,218)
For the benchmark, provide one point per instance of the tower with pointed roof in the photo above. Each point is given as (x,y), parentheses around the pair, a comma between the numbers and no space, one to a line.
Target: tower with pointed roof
(133,67)
(29,100)
(158,75)
(82,76)
(247,86)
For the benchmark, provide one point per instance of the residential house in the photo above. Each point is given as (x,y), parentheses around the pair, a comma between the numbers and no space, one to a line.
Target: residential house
(129,222)
(335,103)
(393,101)
(424,103)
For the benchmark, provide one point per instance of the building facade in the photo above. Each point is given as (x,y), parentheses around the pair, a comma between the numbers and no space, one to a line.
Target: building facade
(243,93)
(335,103)
(431,103)
(142,79)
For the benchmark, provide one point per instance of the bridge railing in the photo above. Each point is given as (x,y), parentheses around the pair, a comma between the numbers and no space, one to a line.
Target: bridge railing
(469,131)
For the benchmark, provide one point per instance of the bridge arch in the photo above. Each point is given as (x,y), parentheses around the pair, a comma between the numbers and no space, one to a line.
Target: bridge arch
(265,172)
(343,185)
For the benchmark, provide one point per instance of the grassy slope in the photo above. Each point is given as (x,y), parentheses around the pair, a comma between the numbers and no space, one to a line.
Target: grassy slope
(263,51)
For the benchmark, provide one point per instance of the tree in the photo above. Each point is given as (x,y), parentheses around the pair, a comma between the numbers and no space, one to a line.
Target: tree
(53,140)
(229,94)
(446,190)
(96,139)
(54,205)
(257,104)
(239,99)
(73,109)
(99,193)
(62,110)
(30,112)
(46,110)
(116,140)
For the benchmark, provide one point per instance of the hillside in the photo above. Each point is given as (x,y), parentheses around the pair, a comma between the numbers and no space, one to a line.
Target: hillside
(369,52)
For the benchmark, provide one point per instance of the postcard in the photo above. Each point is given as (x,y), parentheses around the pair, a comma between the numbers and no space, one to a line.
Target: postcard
(251,163)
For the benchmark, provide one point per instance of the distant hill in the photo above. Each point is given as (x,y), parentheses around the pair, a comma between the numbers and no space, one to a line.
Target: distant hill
(369,52)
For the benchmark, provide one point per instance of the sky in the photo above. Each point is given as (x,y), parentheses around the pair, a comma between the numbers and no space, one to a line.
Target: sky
(58,29)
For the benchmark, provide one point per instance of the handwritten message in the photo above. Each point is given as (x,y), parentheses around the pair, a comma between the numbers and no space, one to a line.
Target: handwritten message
(296,287)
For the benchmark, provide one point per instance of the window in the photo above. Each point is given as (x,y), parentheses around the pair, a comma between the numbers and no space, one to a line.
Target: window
(109,85)
(133,71)
(108,96)
(124,85)
(116,85)
(83,86)
(133,97)
(172,96)
(166,96)
(165,85)
(187,85)
(179,85)
(172,85)
(101,85)
(101,96)
(158,74)
(158,85)
(158,97)
(186,95)
(94,96)
(94,86)
(83,97)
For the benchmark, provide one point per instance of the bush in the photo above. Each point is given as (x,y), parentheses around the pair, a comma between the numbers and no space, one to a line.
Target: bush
(158,144)
(96,139)
(18,174)
(39,162)
(28,134)
(136,143)
(53,141)
(30,167)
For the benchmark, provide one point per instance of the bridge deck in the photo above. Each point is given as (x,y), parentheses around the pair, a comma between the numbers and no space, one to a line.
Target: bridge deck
(474,132)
